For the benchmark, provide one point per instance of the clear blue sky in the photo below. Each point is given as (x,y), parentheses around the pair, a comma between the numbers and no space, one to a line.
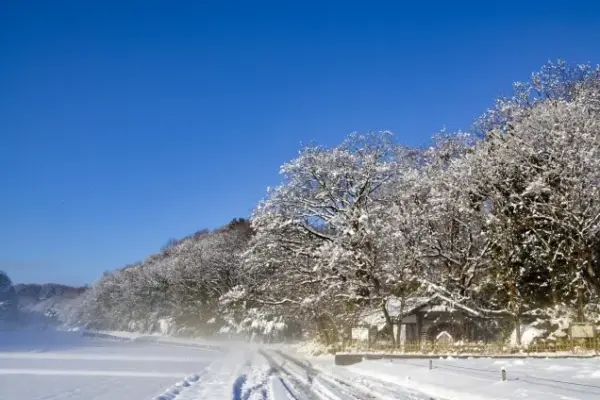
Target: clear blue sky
(125,123)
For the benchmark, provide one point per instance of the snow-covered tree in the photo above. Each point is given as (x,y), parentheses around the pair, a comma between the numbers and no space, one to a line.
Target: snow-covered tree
(504,220)
(333,195)
(8,299)
(179,287)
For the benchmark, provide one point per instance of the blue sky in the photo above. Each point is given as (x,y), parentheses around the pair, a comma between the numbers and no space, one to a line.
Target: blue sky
(123,124)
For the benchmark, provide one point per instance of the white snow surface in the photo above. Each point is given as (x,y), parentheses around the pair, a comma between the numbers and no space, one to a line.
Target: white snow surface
(480,379)
(36,365)
(66,365)
(454,378)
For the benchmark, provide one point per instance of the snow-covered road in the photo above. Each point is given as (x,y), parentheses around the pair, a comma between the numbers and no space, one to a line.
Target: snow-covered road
(258,374)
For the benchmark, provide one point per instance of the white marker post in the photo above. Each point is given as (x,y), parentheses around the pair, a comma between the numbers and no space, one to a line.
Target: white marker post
(503,371)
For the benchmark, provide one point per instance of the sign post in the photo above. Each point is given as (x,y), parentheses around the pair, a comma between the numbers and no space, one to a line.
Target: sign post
(582,330)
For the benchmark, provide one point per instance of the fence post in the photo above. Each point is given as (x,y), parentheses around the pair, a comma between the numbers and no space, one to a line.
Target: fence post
(430,365)
(503,371)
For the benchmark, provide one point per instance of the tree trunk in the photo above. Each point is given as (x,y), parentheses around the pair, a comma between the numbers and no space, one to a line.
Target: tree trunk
(323,330)
(555,293)
(388,321)
(399,322)
(580,305)
(590,274)
(516,308)
(518,329)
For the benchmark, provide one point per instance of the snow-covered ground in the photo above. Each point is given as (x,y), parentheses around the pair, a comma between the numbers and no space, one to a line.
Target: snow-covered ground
(66,365)
(479,379)
(69,365)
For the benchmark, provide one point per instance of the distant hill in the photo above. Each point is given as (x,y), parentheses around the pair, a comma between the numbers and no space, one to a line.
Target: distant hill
(54,301)
(33,292)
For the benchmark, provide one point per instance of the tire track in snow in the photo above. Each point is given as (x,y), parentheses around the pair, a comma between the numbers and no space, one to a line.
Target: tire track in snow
(262,380)
(258,390)
(177,388)
(326,386)
(357,386)
(292,384)
(182,386)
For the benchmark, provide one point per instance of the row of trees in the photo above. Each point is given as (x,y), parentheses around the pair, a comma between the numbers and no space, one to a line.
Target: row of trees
(174,291)
(504,220)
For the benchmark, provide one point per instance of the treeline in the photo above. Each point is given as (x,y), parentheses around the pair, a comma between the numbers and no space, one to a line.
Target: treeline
(174,291)
(503,219)
(37,306)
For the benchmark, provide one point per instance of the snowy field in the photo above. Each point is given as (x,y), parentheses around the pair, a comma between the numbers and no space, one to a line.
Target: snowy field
(67,365)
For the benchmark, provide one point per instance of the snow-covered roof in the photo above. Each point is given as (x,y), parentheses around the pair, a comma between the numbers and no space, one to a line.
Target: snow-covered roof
(436,303)
(375,317)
